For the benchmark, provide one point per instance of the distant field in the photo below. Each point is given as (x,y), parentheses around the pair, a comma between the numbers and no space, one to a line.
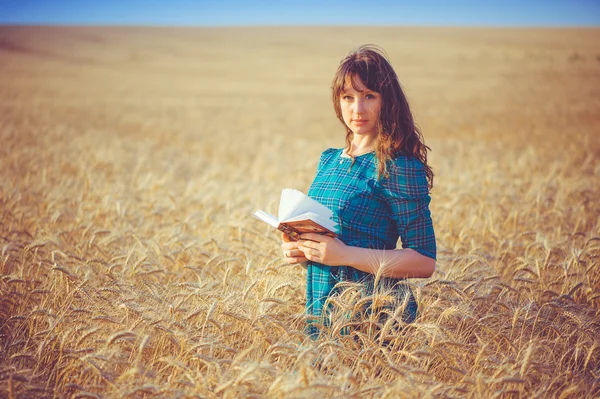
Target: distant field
(131,160)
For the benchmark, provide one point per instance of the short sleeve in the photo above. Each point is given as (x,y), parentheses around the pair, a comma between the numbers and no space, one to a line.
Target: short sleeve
(325,158)
(407,194)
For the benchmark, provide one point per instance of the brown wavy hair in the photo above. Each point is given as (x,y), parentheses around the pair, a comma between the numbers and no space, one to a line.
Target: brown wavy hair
(396,130)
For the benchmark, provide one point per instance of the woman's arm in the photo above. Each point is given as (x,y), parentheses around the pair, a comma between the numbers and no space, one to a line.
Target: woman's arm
(395,263)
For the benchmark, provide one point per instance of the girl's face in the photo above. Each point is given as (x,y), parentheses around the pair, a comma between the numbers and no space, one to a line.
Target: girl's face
(360,108)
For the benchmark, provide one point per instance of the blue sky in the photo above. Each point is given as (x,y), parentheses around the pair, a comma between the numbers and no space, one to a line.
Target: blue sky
(308,12)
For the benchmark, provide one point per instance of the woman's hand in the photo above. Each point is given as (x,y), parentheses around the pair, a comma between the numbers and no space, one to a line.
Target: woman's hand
(323,249)
(291,253)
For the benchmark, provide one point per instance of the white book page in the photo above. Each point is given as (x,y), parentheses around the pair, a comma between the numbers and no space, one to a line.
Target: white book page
(288,202)
(267,218)
(294,202)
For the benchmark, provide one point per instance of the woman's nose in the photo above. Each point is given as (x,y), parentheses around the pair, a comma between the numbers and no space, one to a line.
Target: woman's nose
(359,106)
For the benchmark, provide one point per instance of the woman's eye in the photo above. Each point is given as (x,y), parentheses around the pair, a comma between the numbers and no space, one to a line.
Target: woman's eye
(370,96)
(346,98)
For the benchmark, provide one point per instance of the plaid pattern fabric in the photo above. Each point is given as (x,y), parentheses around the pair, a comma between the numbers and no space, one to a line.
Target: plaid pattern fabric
(370,213)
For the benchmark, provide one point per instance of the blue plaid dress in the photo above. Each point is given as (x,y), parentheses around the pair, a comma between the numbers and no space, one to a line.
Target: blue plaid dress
(370,213)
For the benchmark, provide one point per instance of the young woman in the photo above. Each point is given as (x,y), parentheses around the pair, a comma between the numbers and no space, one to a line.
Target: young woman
(377,187)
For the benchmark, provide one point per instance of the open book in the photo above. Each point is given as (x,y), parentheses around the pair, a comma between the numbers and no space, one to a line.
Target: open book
(298,213)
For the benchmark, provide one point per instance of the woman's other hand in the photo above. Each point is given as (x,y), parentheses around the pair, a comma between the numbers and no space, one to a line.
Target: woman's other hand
(291,253)
(323,249)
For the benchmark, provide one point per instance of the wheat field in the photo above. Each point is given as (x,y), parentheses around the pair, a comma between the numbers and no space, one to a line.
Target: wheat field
(131,160)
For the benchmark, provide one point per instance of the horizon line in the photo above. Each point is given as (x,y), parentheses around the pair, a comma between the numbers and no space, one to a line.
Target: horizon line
(184,26)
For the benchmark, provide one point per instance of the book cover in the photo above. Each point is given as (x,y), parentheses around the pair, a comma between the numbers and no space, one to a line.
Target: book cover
(300,214)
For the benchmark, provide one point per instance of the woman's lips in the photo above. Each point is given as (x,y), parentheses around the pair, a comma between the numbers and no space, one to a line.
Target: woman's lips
(360,122)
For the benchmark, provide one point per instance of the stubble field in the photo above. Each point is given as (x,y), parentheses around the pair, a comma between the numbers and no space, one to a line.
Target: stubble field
(131,160)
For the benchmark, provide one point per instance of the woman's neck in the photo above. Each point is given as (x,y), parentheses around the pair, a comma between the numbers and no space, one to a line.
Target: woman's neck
(361,145)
